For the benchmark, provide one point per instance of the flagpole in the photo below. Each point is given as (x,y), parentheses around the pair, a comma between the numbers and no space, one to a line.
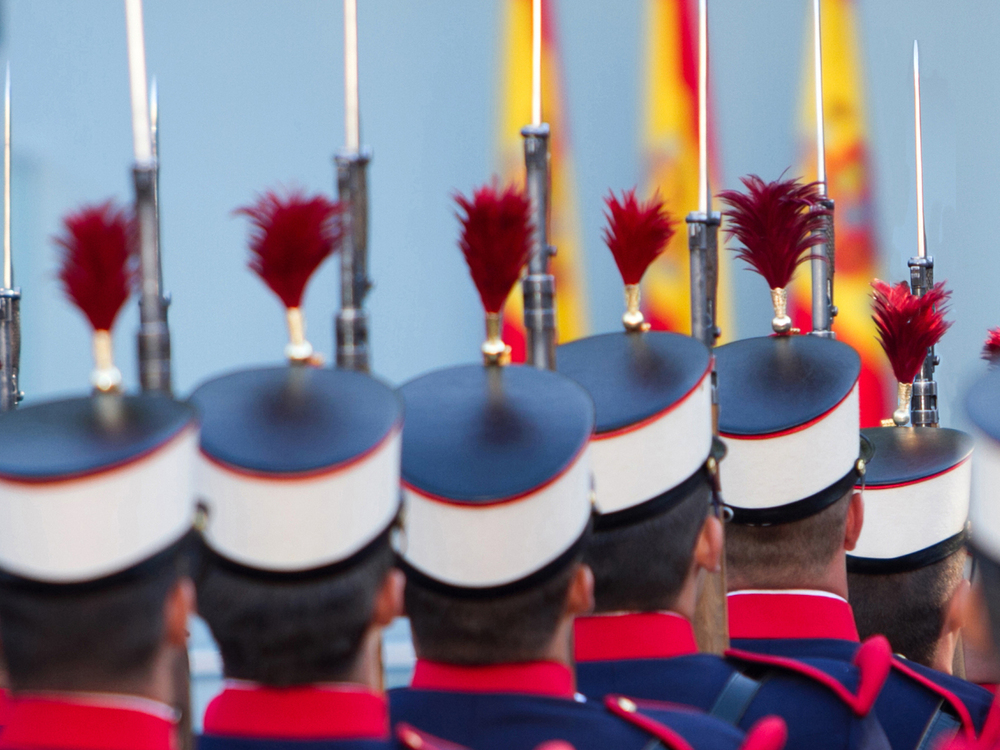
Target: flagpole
(10,296)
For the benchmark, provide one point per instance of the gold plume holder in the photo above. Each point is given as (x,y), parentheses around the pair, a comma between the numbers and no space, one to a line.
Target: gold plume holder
(298,350)
(900,417)
(781,323)
(633,318)
(495,352)
(105,377)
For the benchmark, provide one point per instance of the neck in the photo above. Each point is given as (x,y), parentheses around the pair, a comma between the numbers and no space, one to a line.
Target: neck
(367,669)
(560,648)
(832,579)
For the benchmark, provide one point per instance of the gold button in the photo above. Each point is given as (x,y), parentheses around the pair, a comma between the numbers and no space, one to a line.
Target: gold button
(626,705)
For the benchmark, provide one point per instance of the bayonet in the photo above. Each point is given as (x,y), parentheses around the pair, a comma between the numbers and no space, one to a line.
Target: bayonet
(923,404)
(823,264)
(10,296)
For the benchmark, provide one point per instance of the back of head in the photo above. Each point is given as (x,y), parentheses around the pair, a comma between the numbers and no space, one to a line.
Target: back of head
(908,608)
(786,555)
(625,581)
(102,636)
(285,631)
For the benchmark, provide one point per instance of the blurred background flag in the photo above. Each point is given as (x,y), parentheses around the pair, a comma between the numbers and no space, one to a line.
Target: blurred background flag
(670,154)
(848,172)
(564,221)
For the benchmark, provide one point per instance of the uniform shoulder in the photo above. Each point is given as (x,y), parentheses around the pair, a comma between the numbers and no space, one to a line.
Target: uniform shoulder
(683,728)
(858,688)
(970,703)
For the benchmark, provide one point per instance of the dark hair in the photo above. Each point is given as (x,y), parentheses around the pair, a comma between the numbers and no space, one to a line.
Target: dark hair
(642,567)
(907,608)
(92,636)
(291,631)
(990,573)
(514,627)
(785,555)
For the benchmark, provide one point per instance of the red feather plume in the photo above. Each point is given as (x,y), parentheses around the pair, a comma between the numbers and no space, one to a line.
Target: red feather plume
(776,222)
(496,240)
(290,237)
(636,232)
(908,325)
(98,262)
(991,349)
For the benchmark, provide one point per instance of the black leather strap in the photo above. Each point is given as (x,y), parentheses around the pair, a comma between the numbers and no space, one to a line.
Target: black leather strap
(940,723)
(735,698)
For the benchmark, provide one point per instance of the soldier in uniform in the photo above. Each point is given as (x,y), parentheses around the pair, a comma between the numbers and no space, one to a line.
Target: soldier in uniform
(906,573)
(655,471)
(788,411)
(96,510)
(299,481)
(497,500)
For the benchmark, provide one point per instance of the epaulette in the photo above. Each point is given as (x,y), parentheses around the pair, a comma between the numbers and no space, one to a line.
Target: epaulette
(873,660)
(769,733)
(956,704)
(414,739)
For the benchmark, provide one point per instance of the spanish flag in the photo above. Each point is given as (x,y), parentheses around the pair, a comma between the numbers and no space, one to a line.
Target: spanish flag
(564,223)
(670,153)
(849,185)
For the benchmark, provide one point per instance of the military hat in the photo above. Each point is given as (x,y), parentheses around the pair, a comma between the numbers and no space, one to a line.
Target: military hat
(496,469)
(917,481)
(299,465)
(96,486)
(652,390)
(917,484)
(982,405)
(788,404)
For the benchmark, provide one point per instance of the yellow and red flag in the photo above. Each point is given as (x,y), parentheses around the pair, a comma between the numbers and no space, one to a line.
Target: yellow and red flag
(564,222)
(849,185)
(670,153)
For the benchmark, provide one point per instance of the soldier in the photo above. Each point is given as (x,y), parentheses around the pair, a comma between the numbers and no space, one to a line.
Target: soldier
(97,506)
(788,411)
(906,574)
(655,470)
(497,495)
(300,489)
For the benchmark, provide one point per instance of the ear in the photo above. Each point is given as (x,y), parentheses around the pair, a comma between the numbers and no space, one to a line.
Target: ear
(179,605)
(958,608)
(389,599)
(855,520)
(580,597)
(708,548)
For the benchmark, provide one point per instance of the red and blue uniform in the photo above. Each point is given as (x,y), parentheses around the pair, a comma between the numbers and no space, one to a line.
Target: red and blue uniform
(87,722)
(247,716)
(916,704)
(523,705)
(654,656)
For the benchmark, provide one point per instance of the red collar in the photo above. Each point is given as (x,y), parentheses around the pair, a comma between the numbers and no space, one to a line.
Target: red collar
(87,722)
(531,678)
(647,635)
(790,614)
(245,709)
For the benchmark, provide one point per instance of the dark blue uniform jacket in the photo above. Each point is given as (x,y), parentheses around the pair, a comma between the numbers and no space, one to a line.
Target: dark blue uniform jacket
(915,703)
(654,656)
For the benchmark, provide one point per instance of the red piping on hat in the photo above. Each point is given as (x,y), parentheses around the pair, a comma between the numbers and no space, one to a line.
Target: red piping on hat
(869,486)
(792,430)
(873,660)
(298,476)
(656,417)
(186,428)
(503,500)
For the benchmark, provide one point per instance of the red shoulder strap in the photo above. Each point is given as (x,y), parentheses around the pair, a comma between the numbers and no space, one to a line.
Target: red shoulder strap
(953,700)
(770,733)
(873,660)
(628,709)
(411,737)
